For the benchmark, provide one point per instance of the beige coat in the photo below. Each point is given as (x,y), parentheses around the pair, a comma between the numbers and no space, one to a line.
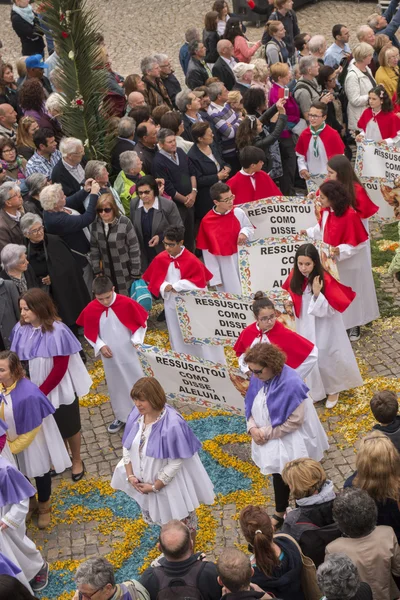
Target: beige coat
(376,556)
(357,85)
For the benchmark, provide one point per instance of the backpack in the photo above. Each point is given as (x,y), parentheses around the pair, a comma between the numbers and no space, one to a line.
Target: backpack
(273,43)
(139,292)
(129,586)
(314,541)
(172,587)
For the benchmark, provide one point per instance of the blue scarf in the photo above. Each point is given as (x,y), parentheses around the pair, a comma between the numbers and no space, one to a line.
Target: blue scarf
(26,13)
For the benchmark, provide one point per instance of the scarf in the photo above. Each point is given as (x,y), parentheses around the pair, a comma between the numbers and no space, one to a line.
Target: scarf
(315,134)
(26,13)
(10,166)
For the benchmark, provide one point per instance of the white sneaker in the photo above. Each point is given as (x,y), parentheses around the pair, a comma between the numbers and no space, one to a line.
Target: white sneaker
(331,400)
(115,426)
(354,334)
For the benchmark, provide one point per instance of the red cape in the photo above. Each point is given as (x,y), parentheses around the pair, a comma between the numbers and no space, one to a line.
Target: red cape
(219,233)
(128,311)
(329,137)
(191,268)
(244,191)
(364,205)
(339,296)
(295,346)
(387,122)
(346,229)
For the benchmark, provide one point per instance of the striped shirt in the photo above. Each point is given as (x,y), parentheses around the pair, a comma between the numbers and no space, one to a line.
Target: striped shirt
(39,164)
(226,121)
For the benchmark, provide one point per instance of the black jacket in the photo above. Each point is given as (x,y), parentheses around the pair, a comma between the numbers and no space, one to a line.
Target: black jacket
(121,145)
(10,96)
(206,176)
(61,175)
(222,70)
(30,35)
(208,584)
(67,288)
(392,431)
(291,27)
(196,75)
(32,205)
(30,277)
(245,595)
(172,86)
(210,40)
(147,156)
(240,88)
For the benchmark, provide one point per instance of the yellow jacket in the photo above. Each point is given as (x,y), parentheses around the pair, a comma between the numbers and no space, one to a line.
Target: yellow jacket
(388,77)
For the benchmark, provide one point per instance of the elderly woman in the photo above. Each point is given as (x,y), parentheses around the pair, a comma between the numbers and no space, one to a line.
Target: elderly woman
(26,25)
(373,549)
(56,269)
(388,72)
(243,75)
(261,78)
(359,81)
(32,99)
(208,164)
(27,126)
(338,578)
(97,573)
(151,214)
(114,245)
(131,172)
(97,170)
(242,49)
(155,92)
(189,104)
(161,468)
(13,165)
(276,50)
(62,216)
(69,171)
(35,183)
(283,426)
(16,268)
(55,105)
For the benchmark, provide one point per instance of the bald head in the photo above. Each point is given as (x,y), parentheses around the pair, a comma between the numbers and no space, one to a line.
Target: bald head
(175,541)
(8,116)
(366,34)
(136,99)
(225,48)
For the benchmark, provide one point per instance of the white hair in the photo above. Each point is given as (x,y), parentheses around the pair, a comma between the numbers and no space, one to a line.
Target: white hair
(128,160)
(11,255)
(241,68)
(316,43)
(161,57)
(55,104)
(68,145)
(50,196)
(28,220)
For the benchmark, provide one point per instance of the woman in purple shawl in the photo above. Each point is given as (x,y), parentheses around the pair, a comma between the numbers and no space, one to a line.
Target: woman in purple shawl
(161,468)
(281,419)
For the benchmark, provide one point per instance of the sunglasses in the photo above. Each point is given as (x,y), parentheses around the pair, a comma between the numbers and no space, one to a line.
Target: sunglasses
(106,210)
(256,371)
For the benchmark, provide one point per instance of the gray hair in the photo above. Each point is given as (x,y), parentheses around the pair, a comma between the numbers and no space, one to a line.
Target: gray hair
(316,43)
(361,51)
(28,220)
(126,127)
(362,31)
(50,196)
(338,577)
(215,90)
(163,134)
(5,190)
(241,68)
(96,572)
(161,57)
(11,255)
(35,183)
(372,20)
(94,168)
(355,512)
(192,34)
(68,145)
(182,100)
(128,159)
(194,46)
(147,64)
(305,63)
(55,103)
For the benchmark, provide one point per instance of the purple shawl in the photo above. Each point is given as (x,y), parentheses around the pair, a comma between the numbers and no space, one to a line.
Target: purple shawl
(285,392)
(7,567)
(30,343)
(3,427)
(14,487)
(170,437)
(30,406)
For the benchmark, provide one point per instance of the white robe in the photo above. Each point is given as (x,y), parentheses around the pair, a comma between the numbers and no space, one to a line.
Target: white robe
(354,267)
(47,450)
(315,165)
(337,368)
(173,277)
(225,269)
(189,484)
(14,543)
(302,370)
(123,369)
(307,441)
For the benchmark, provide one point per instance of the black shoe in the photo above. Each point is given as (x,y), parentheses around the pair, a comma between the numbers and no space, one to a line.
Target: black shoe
(78,476)
(161,316)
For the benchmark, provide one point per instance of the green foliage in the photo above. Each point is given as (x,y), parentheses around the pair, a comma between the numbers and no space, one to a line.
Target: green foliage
(83,77)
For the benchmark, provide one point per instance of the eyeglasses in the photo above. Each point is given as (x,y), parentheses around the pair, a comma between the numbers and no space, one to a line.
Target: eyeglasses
(164,66)
(8,150)
(106,210)
(83,595)
(312,116)
(268,319)
(36,231)
(144,192)
(17,195)
(256,371)
(230,199)
(169,245)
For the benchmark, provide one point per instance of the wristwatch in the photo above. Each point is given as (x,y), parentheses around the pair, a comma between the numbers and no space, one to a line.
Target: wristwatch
(155,490)
(194,189)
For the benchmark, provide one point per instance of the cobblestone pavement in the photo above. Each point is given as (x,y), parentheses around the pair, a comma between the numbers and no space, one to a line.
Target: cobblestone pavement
(158,26)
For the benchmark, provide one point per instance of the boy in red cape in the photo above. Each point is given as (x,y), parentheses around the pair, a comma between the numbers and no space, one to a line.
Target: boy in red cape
(318,143)
(251,183)
(112,323)
(220,232)
(178,270)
